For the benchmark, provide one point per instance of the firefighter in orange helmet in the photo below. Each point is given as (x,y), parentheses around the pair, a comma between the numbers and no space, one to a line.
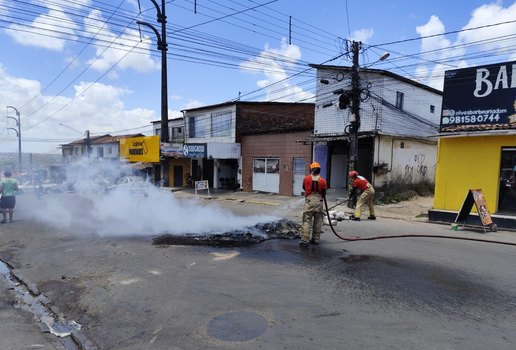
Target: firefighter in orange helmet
(315,189)
(367,195)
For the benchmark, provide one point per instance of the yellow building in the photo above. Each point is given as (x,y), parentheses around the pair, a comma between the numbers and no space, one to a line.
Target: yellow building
(477,143)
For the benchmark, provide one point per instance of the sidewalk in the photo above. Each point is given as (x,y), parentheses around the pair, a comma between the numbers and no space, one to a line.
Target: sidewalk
(415,209)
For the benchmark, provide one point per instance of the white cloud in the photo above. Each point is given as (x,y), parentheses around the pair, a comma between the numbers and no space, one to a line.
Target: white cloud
(273,63)
(441,48)
(46,31)
(491,14)
(125,51)
(362,35)
(95,106)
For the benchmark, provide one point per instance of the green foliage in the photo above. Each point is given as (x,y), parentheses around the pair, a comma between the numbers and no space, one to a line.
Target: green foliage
(399,190)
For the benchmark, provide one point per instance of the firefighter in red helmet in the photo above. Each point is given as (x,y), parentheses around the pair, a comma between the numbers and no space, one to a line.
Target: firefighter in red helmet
(367,195)
(315,189)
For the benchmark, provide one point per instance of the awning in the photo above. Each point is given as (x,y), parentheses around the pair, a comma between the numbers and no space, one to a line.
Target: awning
(141,165)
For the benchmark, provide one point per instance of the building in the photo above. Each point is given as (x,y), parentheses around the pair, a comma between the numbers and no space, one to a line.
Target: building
(477,142)
(248,145)
(174,169)
(104,147)
(398,122)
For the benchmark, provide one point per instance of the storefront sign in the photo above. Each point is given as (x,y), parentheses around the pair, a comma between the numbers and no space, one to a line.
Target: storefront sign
(475,197)
(480,95)
(172,150)
(194,150)
(140,149)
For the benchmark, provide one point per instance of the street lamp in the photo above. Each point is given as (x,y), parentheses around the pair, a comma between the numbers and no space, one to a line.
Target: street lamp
(162,46)
(18,133)
(88,140)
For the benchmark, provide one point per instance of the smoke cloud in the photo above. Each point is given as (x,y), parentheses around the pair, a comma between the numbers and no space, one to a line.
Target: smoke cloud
(99,207)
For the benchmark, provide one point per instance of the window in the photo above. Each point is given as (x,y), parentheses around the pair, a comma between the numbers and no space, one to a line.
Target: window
(199,126)
(432,109)
(399,99)
(221,124)
(158,131)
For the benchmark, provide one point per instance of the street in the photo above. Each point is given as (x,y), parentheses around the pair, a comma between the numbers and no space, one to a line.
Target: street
(417,293)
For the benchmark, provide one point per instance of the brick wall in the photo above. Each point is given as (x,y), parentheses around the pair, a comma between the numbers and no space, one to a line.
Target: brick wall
(273,117)
(282,146)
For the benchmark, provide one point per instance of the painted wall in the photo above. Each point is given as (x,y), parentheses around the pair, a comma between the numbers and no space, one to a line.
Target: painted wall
(410,160)
(465,163)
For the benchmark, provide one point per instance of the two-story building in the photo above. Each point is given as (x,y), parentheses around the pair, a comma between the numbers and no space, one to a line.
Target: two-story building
(174,168)
(249,145)
(396,139)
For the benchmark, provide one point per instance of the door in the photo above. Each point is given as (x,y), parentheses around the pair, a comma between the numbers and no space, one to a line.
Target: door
(339,174)
(507,187)
(266,175)
(178,175)
(299,175)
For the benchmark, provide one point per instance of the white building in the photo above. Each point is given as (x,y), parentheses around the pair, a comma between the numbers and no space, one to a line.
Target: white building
(104,147)
(399,119)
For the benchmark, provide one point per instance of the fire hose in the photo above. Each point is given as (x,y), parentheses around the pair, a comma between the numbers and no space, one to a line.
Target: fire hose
(356,239)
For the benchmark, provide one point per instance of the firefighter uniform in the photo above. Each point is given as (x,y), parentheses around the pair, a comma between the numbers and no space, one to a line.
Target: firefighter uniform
(367,196)
(315,189)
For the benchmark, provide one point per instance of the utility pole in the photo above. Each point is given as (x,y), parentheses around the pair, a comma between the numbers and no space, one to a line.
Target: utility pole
(162,46)
(18,132)
(355,112)
(88,143)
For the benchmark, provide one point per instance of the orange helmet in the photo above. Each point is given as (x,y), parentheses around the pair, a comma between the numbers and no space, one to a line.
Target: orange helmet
(353,173)
(314,165)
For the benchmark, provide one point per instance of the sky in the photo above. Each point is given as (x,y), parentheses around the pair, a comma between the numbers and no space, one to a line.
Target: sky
(76,65)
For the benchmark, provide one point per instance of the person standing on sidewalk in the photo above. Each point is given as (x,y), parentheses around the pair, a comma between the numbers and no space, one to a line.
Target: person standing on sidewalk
(8,188)
(315,189)
(367,196)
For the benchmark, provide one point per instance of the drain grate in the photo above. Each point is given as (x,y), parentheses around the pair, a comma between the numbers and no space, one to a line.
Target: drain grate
(237,326)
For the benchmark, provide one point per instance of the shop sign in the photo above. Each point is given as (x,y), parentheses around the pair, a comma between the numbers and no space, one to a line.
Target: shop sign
(194,150)
(480,95)
(172,150)
(140,149)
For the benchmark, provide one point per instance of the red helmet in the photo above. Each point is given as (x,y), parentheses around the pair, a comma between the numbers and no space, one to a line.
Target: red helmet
(353,173)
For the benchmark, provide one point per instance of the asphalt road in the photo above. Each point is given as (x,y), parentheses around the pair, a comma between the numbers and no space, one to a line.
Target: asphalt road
(390,294)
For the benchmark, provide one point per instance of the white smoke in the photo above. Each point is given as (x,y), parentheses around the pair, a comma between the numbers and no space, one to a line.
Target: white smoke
(144,210)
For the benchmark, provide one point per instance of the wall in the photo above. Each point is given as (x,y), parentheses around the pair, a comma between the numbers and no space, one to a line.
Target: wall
(330,120)
(415,162)
(469,163)
(184,162)
(282,146)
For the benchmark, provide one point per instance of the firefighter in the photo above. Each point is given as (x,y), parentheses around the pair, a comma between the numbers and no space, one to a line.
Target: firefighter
(367,195)
(315,190)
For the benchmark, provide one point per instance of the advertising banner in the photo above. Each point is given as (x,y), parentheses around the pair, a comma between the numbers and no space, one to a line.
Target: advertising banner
(480,96)
(194,150)
(140,149)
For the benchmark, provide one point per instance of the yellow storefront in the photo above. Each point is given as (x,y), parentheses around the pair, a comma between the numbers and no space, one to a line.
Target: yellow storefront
(477,144)
(467,162)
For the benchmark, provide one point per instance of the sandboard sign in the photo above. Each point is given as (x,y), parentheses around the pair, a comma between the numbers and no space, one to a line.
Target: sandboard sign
(202,185)
(476,197)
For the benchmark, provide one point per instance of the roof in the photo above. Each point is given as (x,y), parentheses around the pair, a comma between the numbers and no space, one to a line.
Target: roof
(381,72)
(477,127)
(251,103)
(102,139)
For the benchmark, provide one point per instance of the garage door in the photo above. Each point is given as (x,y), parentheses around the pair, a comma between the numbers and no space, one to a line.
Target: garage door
(266,174)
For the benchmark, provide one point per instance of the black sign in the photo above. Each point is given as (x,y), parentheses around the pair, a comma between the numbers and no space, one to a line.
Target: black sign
(480,95)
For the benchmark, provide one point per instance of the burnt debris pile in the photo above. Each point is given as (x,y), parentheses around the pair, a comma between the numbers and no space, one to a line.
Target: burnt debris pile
(281,229)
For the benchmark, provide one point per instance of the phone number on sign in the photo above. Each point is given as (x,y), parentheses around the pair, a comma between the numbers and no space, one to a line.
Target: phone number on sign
(471,119)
